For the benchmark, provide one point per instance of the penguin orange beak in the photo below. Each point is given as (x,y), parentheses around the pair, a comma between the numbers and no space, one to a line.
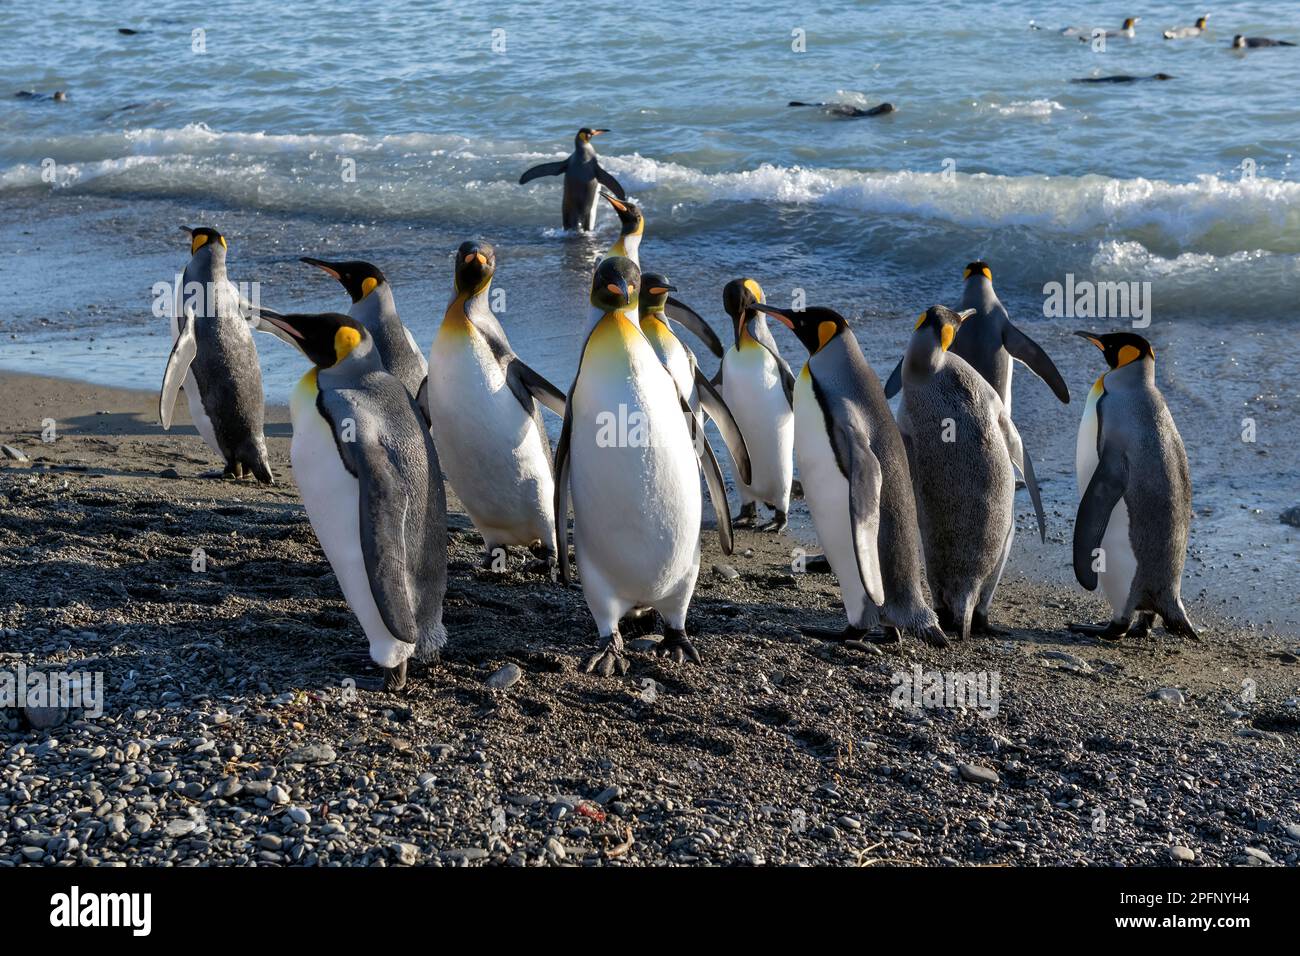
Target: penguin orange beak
(321,264)
(472,256)
(614,201)
(597,132)
(1091,338)
(784,316)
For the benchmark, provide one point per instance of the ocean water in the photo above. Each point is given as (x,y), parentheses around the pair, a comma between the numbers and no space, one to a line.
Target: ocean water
(247,116)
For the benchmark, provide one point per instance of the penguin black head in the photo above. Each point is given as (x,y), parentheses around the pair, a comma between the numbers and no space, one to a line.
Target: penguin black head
(1131,22)
(943,323)
(1120,348)
(740,297)
(357,277)
(631,220)
(326,339)
(476,264)
(978,268)
(814,327)
(1161,76)
(585,134)
(654,292)
(616,284)
(1200,21)
(201,236)
(1238,41)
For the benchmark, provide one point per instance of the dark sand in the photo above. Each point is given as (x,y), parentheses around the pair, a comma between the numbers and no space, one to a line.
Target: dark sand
(229,735)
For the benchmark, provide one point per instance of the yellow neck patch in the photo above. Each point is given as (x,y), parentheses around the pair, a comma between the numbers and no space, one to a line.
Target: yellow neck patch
(368,285)
(345,340)
(825,332)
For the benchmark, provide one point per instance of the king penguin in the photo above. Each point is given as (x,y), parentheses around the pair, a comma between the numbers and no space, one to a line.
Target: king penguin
(373,307)
(630,451)
(368,473)
(1135,494)
(961,446)
(857,483)
(483,408)
(758,387)
(214,358)
(583,177)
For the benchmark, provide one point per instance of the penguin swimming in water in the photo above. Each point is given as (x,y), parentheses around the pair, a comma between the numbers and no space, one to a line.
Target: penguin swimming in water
(631,229)
(214,359)
(483,408)
(369,476)
(1122,78)
(1127,31)
(857,482)
(631,452)
(848,110)
(961,447)
(682,365)
(758,387)
(1240,42)
(373,307)
(583,177)
(1135,494)
(1183,33)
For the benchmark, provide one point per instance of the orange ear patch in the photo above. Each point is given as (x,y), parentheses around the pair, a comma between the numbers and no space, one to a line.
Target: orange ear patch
(946,335)
(1128,353)
(345,340)
(825,332)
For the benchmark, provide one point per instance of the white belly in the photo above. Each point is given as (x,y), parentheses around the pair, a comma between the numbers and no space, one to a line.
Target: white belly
(194,402)
(490,447)
(332,499)
(751,387)
(826,492)
(1116,578)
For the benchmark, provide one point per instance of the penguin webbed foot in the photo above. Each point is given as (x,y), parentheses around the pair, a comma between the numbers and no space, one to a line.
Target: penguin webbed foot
(547,565)
(608,658)
(677,647)
(1110,631)
(934,636)
(777,524)
(747,517)
(847,633)
(392,680)
(1142,626)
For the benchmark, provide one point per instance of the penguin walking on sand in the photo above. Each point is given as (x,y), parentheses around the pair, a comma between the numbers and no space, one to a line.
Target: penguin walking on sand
(483,405)
(214,359)
(1135,495)
(961,447)
(369,476)
(631,451)
(583,177)
(374,308)
(758,387)
(857,483)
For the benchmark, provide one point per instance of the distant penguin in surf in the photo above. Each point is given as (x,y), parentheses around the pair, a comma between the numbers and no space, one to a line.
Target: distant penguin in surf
(1240,42)
(1135,495)
(1122,78)
(1128,31)
(214,359)
(583,177)
(848,110)
(1182,33)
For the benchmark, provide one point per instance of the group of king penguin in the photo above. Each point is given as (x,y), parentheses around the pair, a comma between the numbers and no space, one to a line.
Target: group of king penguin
(376,426)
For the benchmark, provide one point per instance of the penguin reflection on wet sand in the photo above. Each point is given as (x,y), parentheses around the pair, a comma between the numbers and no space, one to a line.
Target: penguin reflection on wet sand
(961,448)
(214,359)
(631,452)
(857,483)
(758,387)
(1135,495)
(368,473)
(583,177)
(483,406)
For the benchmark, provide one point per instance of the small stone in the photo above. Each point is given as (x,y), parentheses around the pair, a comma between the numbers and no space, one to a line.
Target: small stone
(180,828)
(1255,853)
(406,854)
(608,794)
(312,754)
(726,572)
(555,849)
(649,691)
(1292,831)
(849,823)
(469,853)
(1291,516)
(1170,695)
(426,780)
(1182,854)
(269,841)
(506,677)
(278,795)
(12,453)
(169,473)
(1068,661)
(45,718)
(975,773)
(298,815)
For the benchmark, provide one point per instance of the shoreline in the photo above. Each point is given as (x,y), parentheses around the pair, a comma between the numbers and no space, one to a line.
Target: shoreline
(229,735)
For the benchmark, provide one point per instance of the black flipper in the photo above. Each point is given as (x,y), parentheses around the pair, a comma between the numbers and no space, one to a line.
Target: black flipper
(422,401)
(609,182)
(895,380)
(717,409)
(562,496)
(1104,492)
(689,319)
(545,169)
(528,385)
(1028,351)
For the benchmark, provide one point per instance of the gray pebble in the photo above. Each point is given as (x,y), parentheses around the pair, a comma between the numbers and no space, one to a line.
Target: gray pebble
(506,677)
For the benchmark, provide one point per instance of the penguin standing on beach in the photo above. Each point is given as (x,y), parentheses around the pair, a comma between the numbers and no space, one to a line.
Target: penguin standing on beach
(583,177)
(857,483)
(214,358)
(631,451)
(483,408)
(758,387)
(1135,495)
(961,446)
(369,476)
(373,307)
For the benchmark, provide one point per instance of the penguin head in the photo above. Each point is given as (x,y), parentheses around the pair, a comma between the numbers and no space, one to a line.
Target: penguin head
(357,277)
(476,264)
(205,236)
(1120,348)
(654,292)
(977,270)
(1238,41)
(585,134)
(327,339)
(616,285)
(629,214)
(1200,21)
(1131,22)
(941,323)
(815,327)
(740,297)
